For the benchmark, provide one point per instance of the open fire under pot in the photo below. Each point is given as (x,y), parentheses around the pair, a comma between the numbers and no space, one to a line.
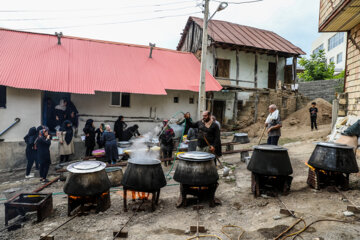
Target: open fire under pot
(331,164)
(87,186)
(146,176)
(270,167)
(197,174)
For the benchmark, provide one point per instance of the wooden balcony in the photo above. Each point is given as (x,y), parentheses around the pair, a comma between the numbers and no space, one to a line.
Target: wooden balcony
(338,15)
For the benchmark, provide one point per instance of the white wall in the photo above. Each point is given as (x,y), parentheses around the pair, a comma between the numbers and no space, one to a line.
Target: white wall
(23,104)
(163,107)
(323,39)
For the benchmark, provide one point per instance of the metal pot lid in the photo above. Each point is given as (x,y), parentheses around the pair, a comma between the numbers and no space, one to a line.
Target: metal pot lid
(240,134)
(270,147)
(196,156)
(86,167)
(125,142)
(144,161)
(334,145)
(113,169)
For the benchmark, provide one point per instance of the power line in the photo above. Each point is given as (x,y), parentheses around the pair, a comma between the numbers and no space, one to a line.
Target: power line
(126,7)
(95,16)
(108,23)
(239,2)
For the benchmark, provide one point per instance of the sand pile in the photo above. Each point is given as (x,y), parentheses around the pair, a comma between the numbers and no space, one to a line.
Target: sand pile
(302,116)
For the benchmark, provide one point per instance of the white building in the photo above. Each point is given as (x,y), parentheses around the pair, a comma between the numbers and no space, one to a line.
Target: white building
(242,59)
(334,46)
(103,79)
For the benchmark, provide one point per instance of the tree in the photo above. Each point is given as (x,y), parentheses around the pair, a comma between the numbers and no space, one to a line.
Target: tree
(316,68)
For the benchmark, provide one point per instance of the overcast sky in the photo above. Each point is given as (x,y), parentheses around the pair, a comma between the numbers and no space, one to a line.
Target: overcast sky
(157,21)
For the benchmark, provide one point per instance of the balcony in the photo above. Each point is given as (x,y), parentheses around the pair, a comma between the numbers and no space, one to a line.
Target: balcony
(338,15)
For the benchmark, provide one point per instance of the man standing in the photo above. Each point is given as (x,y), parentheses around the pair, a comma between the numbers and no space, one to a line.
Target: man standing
(209,134)
(273,125)
(313,114)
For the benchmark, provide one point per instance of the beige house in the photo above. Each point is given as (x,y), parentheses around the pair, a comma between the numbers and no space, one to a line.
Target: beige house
(344,16)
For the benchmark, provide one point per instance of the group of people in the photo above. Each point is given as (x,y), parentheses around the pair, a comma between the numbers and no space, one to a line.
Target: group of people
(105,137)
(203,135)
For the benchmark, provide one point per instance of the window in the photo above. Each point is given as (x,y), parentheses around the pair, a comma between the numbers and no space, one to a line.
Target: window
(331,60)
(176,100)
(339,58)
(316,50)
(335,40)
(222,68)
(120,99)
(2,97)
(191,100)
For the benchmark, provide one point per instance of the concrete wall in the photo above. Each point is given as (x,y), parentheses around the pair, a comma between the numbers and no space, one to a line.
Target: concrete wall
(23,104)
(145,110)
(325,89)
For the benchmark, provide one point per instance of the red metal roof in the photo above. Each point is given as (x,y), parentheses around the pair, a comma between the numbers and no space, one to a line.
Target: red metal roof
(36,61)
(232,33)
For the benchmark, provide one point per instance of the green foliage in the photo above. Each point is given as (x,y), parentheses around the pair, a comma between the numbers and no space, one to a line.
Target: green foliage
(316,68)
(341,75)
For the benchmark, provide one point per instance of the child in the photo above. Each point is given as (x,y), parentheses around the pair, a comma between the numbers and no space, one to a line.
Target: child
(43,143)
(313,114)
(30,151)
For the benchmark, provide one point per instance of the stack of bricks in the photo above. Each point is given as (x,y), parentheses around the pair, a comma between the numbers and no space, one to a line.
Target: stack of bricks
(343,100)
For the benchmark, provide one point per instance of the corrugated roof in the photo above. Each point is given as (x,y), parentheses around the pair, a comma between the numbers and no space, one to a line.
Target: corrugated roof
(36,61)
(232,33)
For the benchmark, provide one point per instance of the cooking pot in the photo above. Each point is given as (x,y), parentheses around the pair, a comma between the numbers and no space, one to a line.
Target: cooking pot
(270,160)
(241,138)
(144,175)
(334,157)
(115,175)
(196,169)
(86,178)
(124,144)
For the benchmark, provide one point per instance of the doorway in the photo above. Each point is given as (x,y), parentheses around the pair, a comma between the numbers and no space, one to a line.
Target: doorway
(219,110)
(272,75)
(50,100)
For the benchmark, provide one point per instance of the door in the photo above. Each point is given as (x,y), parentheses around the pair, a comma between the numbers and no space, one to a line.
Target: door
(272,75)
(50,100)
(219,110)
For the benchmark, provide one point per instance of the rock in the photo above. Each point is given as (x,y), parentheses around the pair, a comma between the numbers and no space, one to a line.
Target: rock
(276,217)
(348,214)
(187,231)
(264,196)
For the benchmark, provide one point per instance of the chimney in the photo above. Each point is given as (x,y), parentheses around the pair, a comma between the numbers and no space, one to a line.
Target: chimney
(59,35)
(152,45)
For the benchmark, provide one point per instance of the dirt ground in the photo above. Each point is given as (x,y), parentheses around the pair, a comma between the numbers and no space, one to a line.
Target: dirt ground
(256,216)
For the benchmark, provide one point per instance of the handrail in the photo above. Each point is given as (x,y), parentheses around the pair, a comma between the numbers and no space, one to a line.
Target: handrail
(8,128)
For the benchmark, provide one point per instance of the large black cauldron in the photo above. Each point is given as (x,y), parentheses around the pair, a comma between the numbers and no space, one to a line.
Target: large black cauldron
(196,169)
(86,178)
(144,175)
(270,160)
(334,157)
(241,138)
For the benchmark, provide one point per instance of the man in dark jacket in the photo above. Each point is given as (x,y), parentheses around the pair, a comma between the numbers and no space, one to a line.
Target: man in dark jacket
(208,135)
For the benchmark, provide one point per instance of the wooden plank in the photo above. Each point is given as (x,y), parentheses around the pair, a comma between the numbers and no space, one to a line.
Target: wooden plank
(256,70)
(294,69)
(237,66)
(277,71)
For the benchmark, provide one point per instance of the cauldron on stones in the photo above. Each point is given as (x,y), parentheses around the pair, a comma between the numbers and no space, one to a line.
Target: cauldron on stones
(334,157)
(241,138)
(270,160)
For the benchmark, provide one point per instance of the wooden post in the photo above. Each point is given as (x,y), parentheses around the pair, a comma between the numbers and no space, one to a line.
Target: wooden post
(294,63)
(214,59)
(237,66)
(256,107)
(277,71)
(256,70)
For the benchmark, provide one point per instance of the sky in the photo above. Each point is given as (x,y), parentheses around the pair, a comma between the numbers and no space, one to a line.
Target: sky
(157,21)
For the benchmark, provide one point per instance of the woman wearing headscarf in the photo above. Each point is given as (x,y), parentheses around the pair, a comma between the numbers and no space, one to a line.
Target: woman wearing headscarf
(131,132)
(60,113)
(119,127)
(89,131)
(111,150)
(71,113)
(43,143)
(99,132)
(30,151)
(66,141)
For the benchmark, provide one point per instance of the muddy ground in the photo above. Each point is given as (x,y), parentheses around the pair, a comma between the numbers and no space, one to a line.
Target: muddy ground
(256,216)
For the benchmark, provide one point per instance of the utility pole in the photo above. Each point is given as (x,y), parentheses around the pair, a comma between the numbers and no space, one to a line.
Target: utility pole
(202,95)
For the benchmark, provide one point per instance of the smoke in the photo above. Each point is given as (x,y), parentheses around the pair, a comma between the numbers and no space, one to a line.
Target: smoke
(140,150)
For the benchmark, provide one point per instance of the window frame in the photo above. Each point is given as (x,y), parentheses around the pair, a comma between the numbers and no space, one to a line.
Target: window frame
(332,59)
(120,100)
(316,50)
(216,67)
(337,58)
(335,40)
